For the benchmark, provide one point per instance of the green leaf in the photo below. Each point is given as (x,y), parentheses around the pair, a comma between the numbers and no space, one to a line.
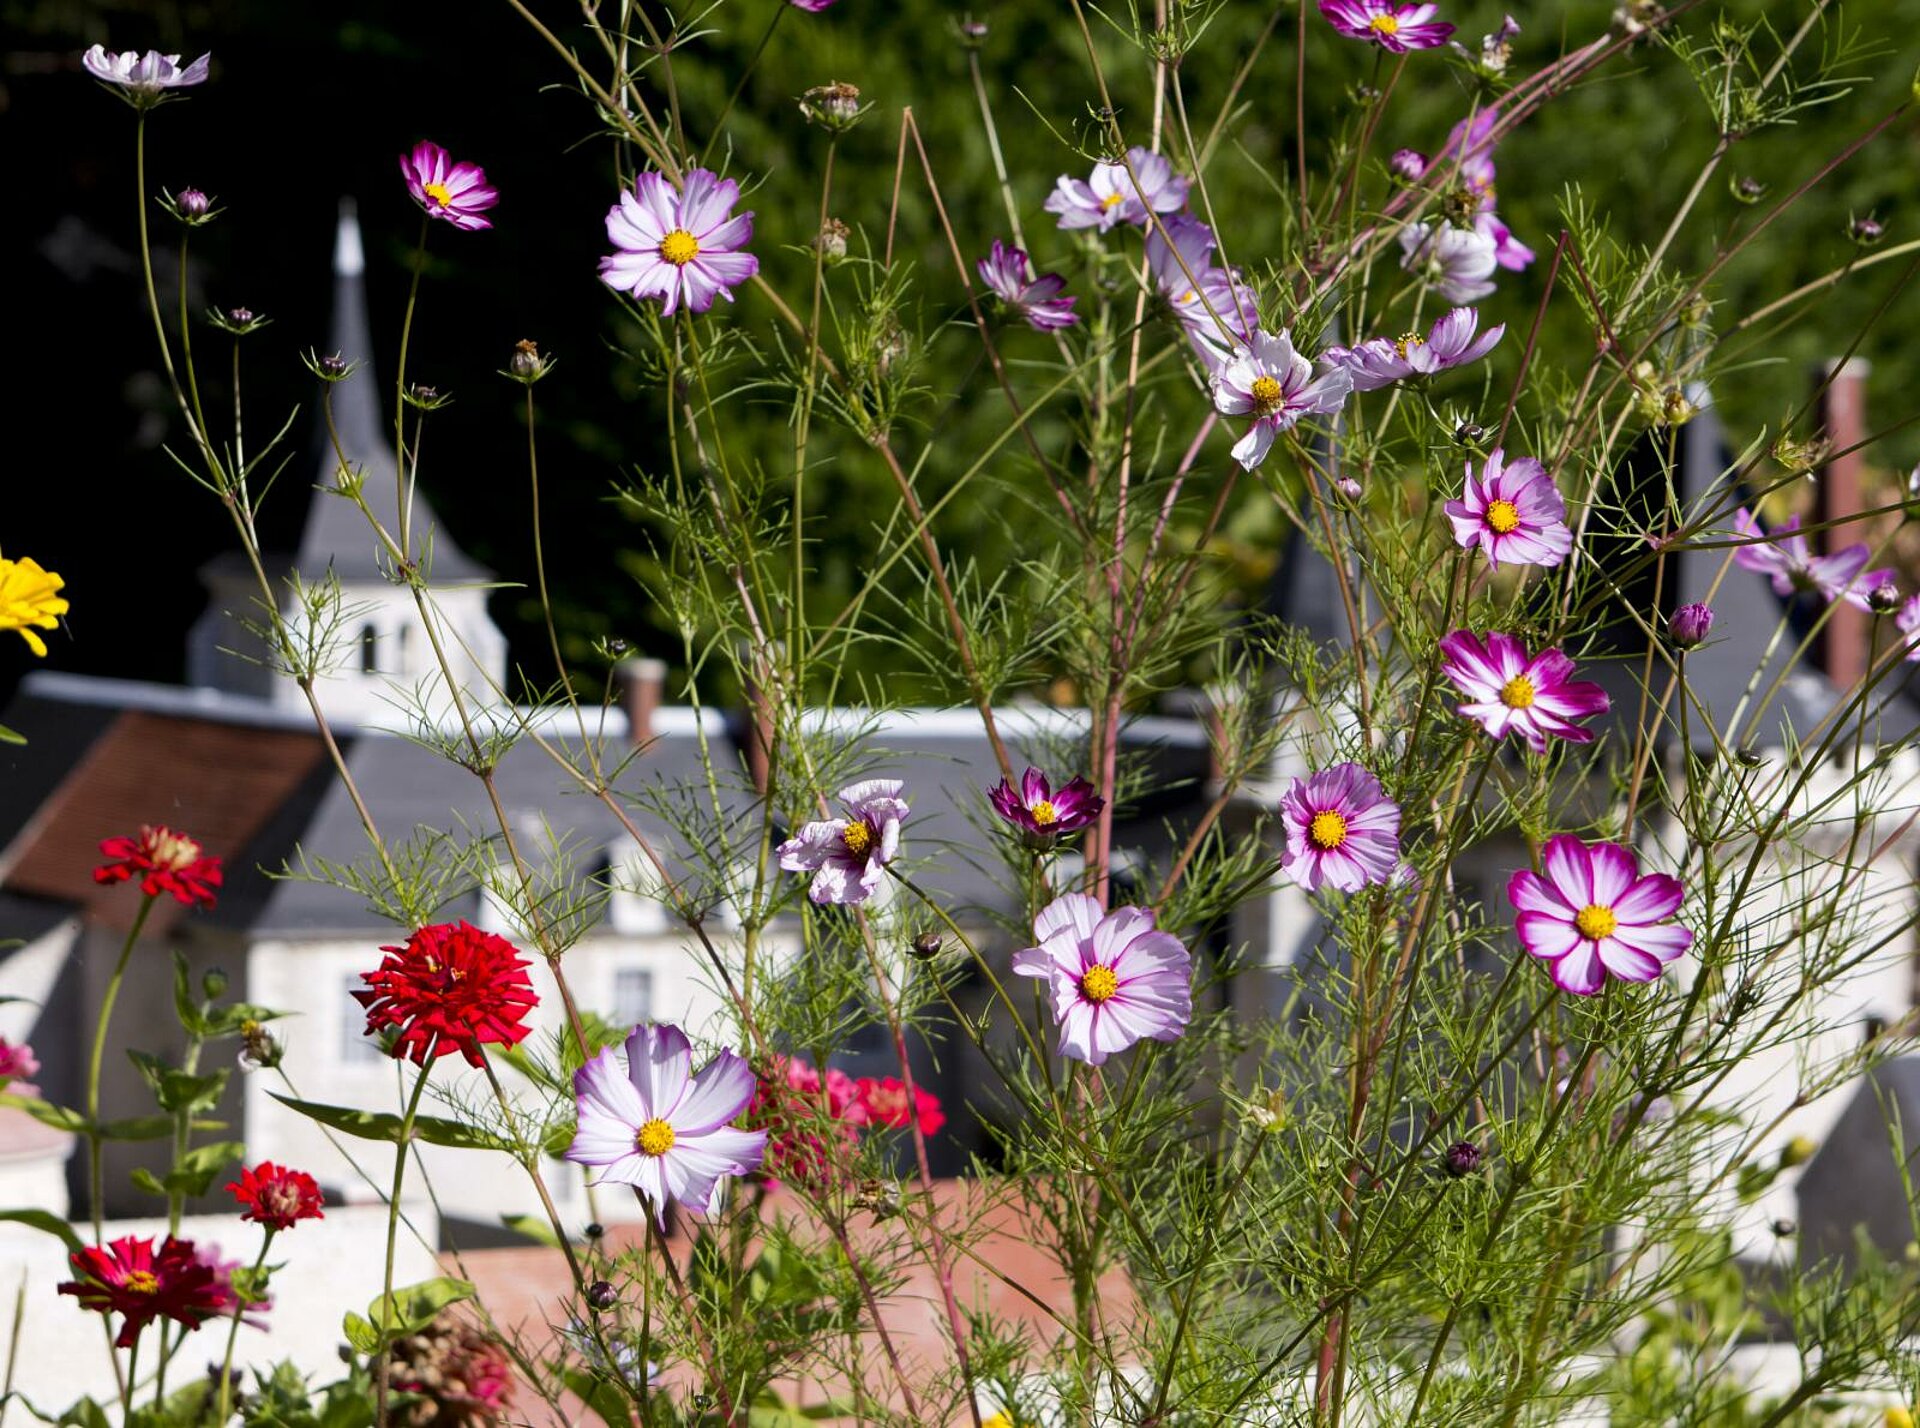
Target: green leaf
(85,1414)
(601,1396)
(45,1112)
(228,1020)
(380,1125)
(414,1306)
(11,736)
(184,1005)
(145,1179)
(361,1334)
(45,1220)
(137,1128)
(195,1172)
(534,1227)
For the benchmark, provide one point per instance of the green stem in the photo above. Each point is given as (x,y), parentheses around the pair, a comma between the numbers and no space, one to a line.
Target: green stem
(93,1065)
(233,1334)
(402,480)
(393,1233)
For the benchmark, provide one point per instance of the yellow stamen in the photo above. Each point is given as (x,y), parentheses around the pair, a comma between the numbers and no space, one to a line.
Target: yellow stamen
(858,838)
(1327,831)
(1406,344)
(141,1281)
(1098,983)
(654,1138)
(171,851)
(1044,813)
(679,247)
(1517,693)
(1385,24)
(1503,517)
(1113,200)
(437,192)
(1595,922)
(1266,393)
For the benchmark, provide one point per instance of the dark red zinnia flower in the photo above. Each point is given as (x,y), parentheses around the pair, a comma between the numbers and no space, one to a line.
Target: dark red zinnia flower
(127,1277)
(1042,815)
(886,1104)
(165,862)
(276,1196)
(451,988)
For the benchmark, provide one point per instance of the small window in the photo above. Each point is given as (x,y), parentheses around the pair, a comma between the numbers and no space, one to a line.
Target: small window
(369,650)
(632,996)
(356,1047)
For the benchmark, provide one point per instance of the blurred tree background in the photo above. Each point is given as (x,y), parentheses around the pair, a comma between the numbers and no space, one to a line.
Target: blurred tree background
(311,101)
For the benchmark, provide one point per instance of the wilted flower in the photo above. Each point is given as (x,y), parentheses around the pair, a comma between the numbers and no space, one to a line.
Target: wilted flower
(655,1125)
(1785,558)
(1690,625)
(1407,165)
(130,1278)
(17,1062)
(1041,814)
(1342,830)
(1496,50)
(1396,28)
(143,79)
(456,193)
(450,987)
(258,1048)
(165,862)
(1510,691)
(831,241)
(1008,273)
(1512,512)
(1113,978)
(1275,385)
(274,1196)
(455,1375)
(848,856)
(680,247)
(30,600)
(1451,342)
(1592,912)
(527,364)
(1108,196)
(834,107)
(1455,262)
(884,1102)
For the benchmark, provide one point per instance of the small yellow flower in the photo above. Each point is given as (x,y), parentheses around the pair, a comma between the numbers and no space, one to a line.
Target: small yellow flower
(1899,1418)
(29,600)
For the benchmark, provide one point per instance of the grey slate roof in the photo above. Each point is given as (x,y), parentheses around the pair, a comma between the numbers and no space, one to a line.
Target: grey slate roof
(1852,1182)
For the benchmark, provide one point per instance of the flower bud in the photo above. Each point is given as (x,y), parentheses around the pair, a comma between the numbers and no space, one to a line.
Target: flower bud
(213,983)
(1269,1112)
(1748,757)
(1798,1151)
(527,365)
(1461,1159)
(834,107)
(334,368)
(190,206)
(1884,598)
(972,32)
(1690,625)
(595,1230)
(602,1295)
(427,399)
(1408,165)
(1866,231)
(237,321)
(1348,487)
(927,946)
(1469,433)
(1747,189)
(1676,408)
(1782,1229)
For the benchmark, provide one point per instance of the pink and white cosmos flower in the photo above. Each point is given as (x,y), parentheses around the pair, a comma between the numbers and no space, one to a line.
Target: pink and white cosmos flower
(1270,382)
(455,193)
(653,1124)
(1514,513)
(1113,978)
(1342,830)
(144,79)
(1457,263)
(1395,28)
(848,856)
(1592,913)
(1785,558)
(1108,197)
(1453,341)
(1213,305)
(1908,623)
(682,248)
(1509,691)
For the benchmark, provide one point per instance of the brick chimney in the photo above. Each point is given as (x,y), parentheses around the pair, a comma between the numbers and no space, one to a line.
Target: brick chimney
(641,684)
(1843,424)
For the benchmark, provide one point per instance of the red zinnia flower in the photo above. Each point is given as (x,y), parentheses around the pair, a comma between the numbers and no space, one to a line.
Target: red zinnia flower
(127,1277)
(451,988)
(885,1102)
(276,1196)
(801,1120)
(164,861)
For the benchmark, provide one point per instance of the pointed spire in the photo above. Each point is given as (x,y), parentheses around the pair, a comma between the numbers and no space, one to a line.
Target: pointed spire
(336,534)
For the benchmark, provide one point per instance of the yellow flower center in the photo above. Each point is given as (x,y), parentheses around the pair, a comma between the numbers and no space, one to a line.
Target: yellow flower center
(171,851)
(1266,393)
(437,192)
(1327,831)
(679,247)
(28,601)
(1385,24)
(1517,693)
(1113,200)
(141,1281)
(858,838)
(1044,813)
(654,1138)
(1503,517)
(1406,344)
(1595,922)
(1098,983)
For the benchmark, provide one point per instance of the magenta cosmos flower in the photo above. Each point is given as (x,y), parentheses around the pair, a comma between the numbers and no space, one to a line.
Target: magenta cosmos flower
(1108,196)
(1270,382)
(1453,341)
(1113,978)
(143,79)
(1042,815)
(1593,912)
(1342,830)
(1785,558)
(848,856)
(679,247)
(1908,623)
(1513,513)
(1398,28)
(1509,691)
(454,193)
(656,1126)
(1009,274)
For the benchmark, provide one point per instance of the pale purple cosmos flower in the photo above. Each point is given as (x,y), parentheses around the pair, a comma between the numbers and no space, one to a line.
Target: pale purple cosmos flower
(1407,165)
(1690,625)
(1508,251)
(656,1126)
(1450,342)
(1008,272)
(848,856)
(454,193)
(143,79)
(812,7)
(1275,385)
(1113,978)
(1908,623)
(1785,558)
(1593,913)
(1213,306)
(1471,144)
(1509,691)
(1041,814)
(1342,831)
(1454,262)
(1396,28)
(1107,196)
(1512,512)
(682,248)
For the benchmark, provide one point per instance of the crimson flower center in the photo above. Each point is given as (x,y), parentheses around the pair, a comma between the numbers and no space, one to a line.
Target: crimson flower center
(1044,813)
(1594,921)
(1517,693)
(438,193)
(654,1138)
(1503,517)
(1098,983)
(858,838)
(1327,831)
(679,247)
(141,1281)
